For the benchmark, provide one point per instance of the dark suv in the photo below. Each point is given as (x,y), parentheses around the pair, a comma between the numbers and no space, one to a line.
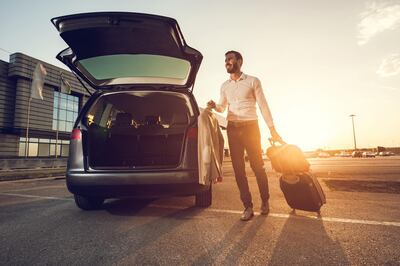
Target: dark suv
(137,134)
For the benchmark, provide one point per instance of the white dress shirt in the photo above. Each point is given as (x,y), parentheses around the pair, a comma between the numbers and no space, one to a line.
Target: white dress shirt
(240,97)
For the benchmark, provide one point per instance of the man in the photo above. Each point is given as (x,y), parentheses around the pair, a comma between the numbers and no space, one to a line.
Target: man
(240,94)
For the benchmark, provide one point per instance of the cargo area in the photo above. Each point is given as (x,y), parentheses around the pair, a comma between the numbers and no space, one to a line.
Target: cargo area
(137,129)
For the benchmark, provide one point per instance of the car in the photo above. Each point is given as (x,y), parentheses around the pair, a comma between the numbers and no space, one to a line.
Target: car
(136,136)
(368,154)
(356,154)
(386,153)
(343,154)
(324,155)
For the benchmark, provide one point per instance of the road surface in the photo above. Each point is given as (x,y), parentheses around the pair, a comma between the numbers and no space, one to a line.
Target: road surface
(40,224)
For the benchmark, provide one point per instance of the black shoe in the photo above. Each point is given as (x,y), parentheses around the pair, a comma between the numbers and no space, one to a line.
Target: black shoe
(264,208)
(247,214)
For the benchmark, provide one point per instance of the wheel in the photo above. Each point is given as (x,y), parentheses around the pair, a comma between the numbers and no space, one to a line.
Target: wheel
(88,203)
(204,198)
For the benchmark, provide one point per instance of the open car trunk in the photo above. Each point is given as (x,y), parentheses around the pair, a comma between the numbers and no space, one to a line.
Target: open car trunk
(137,129)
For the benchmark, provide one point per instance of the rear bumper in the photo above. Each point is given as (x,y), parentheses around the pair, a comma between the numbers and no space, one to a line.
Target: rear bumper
(140,184)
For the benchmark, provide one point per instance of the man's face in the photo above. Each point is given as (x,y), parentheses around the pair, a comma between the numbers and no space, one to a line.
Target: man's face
(232,65)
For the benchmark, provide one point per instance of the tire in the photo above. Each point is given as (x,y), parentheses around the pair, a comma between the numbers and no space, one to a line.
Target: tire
(88,203)
(204,198)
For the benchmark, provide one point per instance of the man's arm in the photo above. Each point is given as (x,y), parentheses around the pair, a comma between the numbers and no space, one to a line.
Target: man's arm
(223,102)
(265,111)
(262,103)
(274,135)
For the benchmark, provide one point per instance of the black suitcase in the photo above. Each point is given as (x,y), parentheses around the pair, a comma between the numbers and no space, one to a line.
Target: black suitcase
(302,192)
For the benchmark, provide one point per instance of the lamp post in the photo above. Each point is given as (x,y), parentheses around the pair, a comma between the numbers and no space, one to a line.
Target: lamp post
(354,132)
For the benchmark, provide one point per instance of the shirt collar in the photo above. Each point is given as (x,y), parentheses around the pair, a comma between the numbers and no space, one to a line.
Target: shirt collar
(242,77)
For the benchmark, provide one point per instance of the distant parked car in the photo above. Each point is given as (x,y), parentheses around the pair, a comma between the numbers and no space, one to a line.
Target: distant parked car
(324,155)
(386,153)
(355,154)
(343,154)
(368,154)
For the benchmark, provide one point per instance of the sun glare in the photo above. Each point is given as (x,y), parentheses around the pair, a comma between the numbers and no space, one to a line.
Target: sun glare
(311,138)
(308,129)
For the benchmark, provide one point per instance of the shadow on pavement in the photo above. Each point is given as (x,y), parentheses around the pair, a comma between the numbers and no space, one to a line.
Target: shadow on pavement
(235,240)
(149,207)
(140,240)
(304,241)
(126,207)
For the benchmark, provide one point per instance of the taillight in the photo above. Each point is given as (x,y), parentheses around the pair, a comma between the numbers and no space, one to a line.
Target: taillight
(76,134)
(191,133)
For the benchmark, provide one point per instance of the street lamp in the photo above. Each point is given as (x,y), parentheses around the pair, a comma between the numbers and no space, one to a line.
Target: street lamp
(354,132)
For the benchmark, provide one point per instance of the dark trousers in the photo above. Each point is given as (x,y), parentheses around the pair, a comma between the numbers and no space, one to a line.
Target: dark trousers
(246,136)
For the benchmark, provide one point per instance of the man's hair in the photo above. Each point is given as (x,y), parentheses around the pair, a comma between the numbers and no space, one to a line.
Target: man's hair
(236,53)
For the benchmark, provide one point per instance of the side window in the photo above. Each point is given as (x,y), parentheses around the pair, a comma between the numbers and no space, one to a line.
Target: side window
(105,120)
(141,110)
(100,114)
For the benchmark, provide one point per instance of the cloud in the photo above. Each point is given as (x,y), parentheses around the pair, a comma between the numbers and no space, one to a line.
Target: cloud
(378,17)
(390,66)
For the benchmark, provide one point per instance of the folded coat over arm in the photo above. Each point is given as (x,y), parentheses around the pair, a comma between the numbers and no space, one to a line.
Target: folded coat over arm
(210,148)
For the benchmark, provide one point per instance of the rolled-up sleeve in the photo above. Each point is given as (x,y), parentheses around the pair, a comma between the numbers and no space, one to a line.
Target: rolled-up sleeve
(223,101)
(262,103)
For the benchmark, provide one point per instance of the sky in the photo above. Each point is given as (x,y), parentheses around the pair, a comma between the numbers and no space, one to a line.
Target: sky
(319,61)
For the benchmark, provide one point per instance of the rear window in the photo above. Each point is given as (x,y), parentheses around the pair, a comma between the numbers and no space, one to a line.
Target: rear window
(136,68)
(141,109)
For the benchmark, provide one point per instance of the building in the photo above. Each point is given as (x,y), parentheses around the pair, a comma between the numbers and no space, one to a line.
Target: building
(50,120)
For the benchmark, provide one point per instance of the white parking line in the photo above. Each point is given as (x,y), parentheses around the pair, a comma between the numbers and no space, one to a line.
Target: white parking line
(34,188)
(276,215)
(285,216)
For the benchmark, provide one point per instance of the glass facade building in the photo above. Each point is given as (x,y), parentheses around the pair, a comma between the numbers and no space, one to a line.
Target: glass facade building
(45,132)
(65,111)
(41,147)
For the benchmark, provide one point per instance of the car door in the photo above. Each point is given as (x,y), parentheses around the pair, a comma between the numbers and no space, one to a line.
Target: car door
(112,49)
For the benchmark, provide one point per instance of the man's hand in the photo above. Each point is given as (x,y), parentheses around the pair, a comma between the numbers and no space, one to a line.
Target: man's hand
(211,104)
(275,136)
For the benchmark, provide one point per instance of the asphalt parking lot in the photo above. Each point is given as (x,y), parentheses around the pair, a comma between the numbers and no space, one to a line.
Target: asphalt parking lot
(360,224)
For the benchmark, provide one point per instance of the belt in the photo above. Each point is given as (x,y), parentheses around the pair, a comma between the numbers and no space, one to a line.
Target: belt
(242,123)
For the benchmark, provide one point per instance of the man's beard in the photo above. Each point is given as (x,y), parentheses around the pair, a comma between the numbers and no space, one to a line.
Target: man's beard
(233,69)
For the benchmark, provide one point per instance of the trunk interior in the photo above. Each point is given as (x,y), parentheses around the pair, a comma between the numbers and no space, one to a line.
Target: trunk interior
(139,129)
